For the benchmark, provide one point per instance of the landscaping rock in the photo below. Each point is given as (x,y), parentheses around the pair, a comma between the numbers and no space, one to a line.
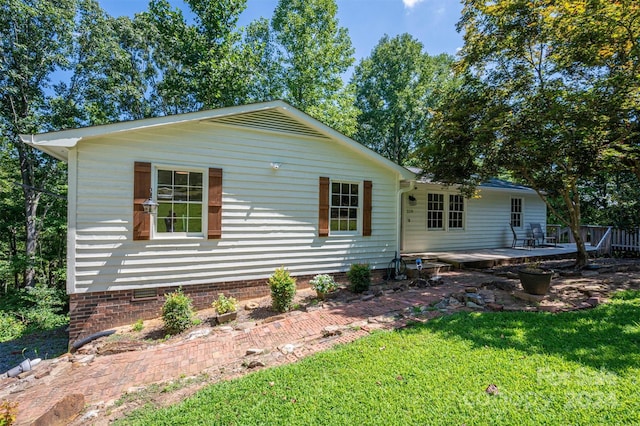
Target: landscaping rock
(62,412)
(528,297)
(116,347)
(473,298)
(255,364)
(254,351)
(495,307)
(288,348)
(492,389)
(331,330)
(273,318)
(474,305)
(593,301)
(199,333)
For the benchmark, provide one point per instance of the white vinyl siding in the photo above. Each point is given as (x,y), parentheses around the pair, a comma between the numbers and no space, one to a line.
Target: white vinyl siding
(486,219)
(269,216)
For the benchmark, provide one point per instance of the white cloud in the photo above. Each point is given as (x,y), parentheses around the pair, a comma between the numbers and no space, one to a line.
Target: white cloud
(410,3)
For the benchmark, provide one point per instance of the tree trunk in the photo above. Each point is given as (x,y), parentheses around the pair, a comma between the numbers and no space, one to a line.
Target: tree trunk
(31,200)
(582,257)
(572,202)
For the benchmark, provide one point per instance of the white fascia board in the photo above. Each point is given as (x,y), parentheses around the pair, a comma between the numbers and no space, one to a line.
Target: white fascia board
(70,138)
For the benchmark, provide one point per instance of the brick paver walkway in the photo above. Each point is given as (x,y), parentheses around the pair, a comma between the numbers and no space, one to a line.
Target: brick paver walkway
(106,378)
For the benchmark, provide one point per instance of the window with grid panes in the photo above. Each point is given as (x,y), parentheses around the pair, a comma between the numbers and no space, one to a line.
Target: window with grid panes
(516,212)
(179,194)
(435,211)
(345,202)
(456,211)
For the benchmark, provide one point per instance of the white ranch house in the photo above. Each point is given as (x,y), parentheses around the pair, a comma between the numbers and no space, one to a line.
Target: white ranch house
(242,191)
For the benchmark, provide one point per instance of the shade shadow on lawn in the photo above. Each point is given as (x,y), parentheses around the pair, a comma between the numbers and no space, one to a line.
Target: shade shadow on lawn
(549,369)
(605,337)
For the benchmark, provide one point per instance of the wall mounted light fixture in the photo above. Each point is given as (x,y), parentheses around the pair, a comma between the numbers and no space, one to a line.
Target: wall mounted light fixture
(275,166)
(150,206)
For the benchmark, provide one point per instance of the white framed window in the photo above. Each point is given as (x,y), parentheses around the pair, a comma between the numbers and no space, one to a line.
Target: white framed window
(456,211)
(435,211)
(445,212)
(180,194)
(516,212)
(344,208)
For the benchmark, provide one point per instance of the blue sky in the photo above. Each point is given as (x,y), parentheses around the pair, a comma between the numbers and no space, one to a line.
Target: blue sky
(430,21)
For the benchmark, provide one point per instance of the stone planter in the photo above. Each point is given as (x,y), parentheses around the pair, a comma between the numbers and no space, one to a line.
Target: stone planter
(535,282)
(229,316)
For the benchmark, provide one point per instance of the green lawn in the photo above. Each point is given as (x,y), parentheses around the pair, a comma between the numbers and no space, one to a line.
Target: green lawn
(574,368)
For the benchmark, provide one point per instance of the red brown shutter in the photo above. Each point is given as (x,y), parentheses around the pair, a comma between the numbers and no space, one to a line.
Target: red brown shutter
(215,204)
(141,191)
(323,208)
(366,209)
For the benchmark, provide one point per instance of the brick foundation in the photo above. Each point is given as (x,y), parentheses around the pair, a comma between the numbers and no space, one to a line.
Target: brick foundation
(93,312)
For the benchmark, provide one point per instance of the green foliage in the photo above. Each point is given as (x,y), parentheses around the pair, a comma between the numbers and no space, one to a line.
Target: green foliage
(527,111)
(314,52)
(323,283)
(359,277)
(283,289)
(224,304)
(626,295)
(31,310)
(138,326)
(10,327)
(546,368)
(8,413)
(177,312)
(396,88)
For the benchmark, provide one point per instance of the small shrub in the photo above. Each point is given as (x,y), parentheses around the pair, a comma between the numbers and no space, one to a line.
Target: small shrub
(225,304)
(283,289)
(10,327)
(323,283)
(138,326)
(177,312)
(359,277)
(8,413)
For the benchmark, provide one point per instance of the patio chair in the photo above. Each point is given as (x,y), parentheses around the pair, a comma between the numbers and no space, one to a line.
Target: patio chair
(526,240)
(540,237)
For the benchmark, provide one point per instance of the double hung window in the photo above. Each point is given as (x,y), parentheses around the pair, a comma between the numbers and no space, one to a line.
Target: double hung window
(516,212)
(443,215)
(180,201)
(345,206)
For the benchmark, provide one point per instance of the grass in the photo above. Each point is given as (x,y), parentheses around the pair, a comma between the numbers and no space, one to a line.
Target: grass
(572,368)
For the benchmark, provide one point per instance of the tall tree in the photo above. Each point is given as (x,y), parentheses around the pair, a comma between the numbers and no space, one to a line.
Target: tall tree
(315,52)
(396,88)
(261,53)
(35,38)
(113,73)
(544,120)
(602,38)
(200,64)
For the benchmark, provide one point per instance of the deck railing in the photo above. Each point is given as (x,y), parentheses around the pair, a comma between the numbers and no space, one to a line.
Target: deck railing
(625,240)
(605,238)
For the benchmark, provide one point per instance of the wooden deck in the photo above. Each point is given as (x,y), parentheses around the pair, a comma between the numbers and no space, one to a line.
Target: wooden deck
(486,258)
